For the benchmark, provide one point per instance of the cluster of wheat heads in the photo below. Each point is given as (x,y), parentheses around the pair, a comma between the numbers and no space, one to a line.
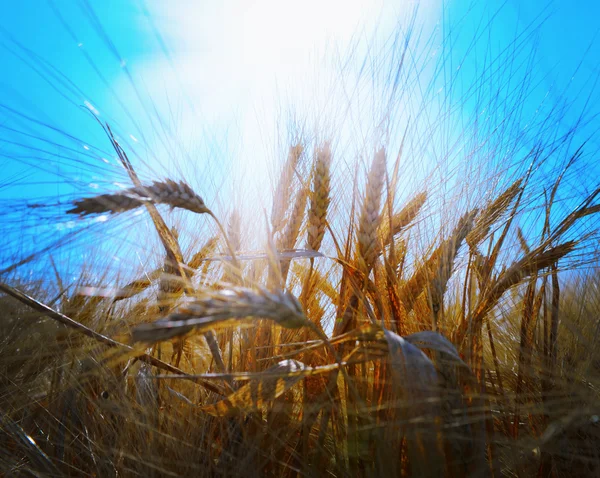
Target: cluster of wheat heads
(327,353)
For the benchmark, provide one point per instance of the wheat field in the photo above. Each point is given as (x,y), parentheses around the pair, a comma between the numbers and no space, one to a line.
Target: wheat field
(380,312)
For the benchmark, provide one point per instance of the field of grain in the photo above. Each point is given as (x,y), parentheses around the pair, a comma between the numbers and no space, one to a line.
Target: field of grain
(416,296)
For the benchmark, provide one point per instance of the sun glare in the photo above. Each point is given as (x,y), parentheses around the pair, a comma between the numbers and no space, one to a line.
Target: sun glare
(237,71)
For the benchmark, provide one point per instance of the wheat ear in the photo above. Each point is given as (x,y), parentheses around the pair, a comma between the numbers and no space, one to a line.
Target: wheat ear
(292,230)
(492,213)
(530,264)
(319,197)
(445,267)
(234,230)
(403,218)
(219,308)
(370,216)
(281,198)
(169,192)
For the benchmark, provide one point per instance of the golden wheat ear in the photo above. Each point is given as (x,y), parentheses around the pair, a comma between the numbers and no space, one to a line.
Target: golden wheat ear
(222,308)
(492,213)
(370,215)
(281,197)
(403,218)
(106,203)
(168,192)
(319,197)
(287,240)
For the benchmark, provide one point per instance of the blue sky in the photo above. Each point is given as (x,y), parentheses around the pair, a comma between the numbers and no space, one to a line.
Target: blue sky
(202,89)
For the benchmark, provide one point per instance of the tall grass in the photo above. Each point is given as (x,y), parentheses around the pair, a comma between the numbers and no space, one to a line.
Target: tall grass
(398,315)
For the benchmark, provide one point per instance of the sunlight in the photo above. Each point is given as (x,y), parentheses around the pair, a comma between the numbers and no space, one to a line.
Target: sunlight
(236,71)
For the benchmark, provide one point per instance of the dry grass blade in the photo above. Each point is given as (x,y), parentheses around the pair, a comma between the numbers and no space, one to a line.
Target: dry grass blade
(412,369)
(252,396)
(261,256)
(39,462)
(319,197)
(370,216)
(137,286)
(126,292)
(220,309)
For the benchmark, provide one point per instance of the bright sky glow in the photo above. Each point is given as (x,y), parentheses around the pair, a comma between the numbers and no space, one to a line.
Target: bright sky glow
(239,66)
(206,91)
